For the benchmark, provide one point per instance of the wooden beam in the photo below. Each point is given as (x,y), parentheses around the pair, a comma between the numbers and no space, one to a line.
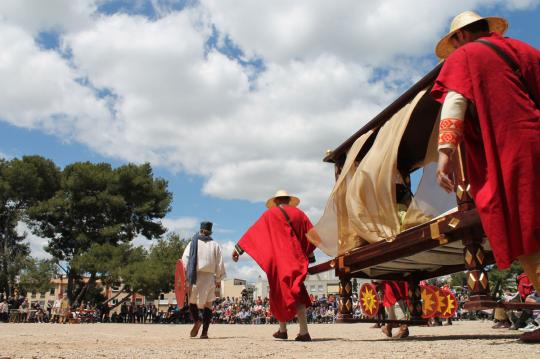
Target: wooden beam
(410,242)
(386,114)
(322,267)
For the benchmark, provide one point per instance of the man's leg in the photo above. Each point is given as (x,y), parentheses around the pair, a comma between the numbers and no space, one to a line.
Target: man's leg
(194,311)
(303,336)
(207,319)
(282,332)
(403,328)
(387,329)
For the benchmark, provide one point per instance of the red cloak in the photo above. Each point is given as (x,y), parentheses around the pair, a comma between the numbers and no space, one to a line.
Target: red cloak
(502,142)
(393,291)
(283,257)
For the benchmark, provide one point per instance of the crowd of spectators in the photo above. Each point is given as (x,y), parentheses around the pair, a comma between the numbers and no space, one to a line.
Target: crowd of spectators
(257,311)
(226,310)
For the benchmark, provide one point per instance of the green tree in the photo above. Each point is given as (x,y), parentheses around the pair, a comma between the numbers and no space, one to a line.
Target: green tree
(103,263)
(155,273)
(98,205)
(37,275)
(458,279)
(23,182)
(502,279)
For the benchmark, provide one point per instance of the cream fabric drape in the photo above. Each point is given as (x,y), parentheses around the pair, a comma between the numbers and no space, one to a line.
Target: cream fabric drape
(362,207)
(371,198)
(429,200)
(333,228)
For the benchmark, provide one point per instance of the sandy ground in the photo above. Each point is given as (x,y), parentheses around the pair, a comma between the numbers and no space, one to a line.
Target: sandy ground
(466,339)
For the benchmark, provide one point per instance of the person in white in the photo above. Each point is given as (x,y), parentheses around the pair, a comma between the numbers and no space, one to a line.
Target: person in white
(56,308)
(204,271)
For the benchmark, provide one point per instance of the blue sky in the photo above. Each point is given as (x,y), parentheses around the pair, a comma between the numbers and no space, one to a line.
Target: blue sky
(228,101)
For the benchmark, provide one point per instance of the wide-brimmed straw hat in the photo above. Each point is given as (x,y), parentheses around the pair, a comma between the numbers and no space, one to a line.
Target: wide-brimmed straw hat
(496,24)
(294,201)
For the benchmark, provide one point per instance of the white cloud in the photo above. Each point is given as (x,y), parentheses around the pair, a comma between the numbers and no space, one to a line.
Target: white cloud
(181,225)
(37,244)
(178,104)
(5,156)
(368,32)
(39,15)
(521,4)
(245,268)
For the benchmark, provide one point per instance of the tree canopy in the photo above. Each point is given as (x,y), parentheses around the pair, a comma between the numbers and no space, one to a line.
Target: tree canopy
(97,205)
(23,183)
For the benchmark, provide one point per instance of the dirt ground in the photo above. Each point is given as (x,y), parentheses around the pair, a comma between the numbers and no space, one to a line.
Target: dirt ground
(465,339)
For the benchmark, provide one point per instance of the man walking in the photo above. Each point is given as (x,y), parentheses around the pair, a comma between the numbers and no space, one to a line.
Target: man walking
(279,243)
(205,270)
(490,89)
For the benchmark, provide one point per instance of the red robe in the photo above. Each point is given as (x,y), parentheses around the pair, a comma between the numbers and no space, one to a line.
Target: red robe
(502,142)
(393,291)
(283,257)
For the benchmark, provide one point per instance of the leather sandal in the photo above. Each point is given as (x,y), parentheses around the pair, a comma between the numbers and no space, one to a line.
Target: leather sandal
(195,329)
(303,338)
(387,330)
(531,337)
(403,332)
(280,335)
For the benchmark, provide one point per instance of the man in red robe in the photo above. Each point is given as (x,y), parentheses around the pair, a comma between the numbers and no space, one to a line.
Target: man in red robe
(501,132)
(278,242)
(395,292)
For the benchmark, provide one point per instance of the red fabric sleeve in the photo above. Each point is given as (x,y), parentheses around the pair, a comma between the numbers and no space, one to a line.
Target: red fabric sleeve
(454,76)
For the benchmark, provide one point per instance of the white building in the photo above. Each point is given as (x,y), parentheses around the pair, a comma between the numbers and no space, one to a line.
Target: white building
(261,288)
(233,287)
(318,285)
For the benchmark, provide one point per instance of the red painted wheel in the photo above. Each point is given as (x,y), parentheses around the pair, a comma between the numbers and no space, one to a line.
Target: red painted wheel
(452,306)
(442,301)
(180,283)
(429,302)
(369,300)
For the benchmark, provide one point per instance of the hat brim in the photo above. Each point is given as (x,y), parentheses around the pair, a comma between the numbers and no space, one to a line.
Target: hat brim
(444,47)
(295,201)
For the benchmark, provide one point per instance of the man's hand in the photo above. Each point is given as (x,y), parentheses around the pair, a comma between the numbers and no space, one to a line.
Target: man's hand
(235,255)
(444,170)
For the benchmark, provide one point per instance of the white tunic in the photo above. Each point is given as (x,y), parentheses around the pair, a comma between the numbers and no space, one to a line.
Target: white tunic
(210,270)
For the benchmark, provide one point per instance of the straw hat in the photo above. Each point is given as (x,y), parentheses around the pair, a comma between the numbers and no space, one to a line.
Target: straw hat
(444,48)
(282,193)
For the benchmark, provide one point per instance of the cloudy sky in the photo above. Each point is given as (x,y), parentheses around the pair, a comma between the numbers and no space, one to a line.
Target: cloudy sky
(228,100)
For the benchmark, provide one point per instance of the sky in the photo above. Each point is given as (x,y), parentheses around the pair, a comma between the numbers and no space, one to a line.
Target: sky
(228,100)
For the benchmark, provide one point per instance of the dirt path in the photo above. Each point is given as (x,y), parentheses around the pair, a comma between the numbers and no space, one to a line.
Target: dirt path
(467,339)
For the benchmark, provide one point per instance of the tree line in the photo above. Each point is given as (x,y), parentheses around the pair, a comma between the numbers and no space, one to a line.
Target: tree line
(90,213)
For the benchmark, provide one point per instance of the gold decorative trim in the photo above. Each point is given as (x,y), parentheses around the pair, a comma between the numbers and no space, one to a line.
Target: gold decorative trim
(460,161)
(468,257)
(454,222)
(480,256)
(459,191)
(434,230)
(341,265)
